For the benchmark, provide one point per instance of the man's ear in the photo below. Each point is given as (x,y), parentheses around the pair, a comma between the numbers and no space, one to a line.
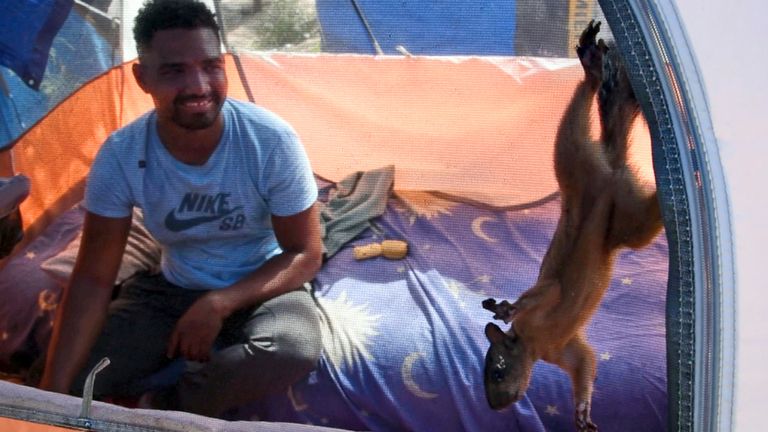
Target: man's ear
(138,74)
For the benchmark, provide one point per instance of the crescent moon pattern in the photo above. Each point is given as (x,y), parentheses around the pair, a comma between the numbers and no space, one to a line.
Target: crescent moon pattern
(407,373)
(46,300)
(477,228)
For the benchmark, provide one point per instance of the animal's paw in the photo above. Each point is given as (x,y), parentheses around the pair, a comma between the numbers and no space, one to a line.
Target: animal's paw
(591,52)
(504,311)
(583,420)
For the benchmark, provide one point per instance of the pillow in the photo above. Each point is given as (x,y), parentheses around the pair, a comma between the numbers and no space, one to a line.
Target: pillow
(142,252)
(30,295)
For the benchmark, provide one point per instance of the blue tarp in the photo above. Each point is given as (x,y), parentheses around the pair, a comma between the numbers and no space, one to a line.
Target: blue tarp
(458,27)
(27,30)
(78,53)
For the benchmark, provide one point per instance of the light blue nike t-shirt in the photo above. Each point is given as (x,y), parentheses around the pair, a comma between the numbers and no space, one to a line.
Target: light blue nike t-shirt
(212,220)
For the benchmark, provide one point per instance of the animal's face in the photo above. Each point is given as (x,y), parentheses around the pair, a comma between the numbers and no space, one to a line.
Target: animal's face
(508,368)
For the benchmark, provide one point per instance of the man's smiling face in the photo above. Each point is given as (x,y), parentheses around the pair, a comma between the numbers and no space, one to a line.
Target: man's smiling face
(183,70)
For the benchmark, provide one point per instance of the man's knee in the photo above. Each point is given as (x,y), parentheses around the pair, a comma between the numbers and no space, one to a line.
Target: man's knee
(299,344)
(296,335)
(297,328)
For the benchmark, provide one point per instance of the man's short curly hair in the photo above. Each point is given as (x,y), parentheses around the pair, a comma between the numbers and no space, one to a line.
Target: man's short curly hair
(158,15)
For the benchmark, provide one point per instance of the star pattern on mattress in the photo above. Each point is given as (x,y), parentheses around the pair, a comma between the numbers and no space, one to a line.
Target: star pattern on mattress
(626,281)
(458,289)
(348,333)
(423,204)
(606,356)
(483,278)
(30,255)
(552,410)
(455,287)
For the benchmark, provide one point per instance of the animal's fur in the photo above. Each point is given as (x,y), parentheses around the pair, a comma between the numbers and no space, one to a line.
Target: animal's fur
(604,208)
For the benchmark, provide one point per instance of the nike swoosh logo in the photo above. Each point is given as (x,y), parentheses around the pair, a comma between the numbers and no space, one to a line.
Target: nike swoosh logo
(174,224)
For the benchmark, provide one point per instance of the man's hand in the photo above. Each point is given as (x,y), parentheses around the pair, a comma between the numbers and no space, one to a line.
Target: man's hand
(196,331)
(83,308)
(299,238)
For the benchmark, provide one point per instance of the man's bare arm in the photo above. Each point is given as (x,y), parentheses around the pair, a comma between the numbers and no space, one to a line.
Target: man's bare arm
(299,237)
(83,308)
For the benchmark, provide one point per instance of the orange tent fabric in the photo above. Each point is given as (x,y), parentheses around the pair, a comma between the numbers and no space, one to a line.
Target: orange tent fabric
(478,128)
(13,425)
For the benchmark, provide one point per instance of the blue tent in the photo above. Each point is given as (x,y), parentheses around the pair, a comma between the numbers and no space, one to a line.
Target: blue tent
(62,48)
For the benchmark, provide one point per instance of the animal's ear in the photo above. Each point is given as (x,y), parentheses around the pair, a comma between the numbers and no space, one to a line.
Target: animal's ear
(511,337)
(494,333)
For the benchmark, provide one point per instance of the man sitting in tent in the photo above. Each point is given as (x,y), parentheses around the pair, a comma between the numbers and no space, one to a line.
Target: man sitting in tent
(227,190)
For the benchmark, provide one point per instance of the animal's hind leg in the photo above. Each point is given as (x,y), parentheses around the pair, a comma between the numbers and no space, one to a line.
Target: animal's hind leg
(636,218)
(618,109)
(577,158)
(591,52)
(578,359)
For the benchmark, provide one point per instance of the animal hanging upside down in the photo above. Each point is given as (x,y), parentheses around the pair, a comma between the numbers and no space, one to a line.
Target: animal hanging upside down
(604,208)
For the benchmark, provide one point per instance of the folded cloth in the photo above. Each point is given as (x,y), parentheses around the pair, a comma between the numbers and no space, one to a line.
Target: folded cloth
(13,190)
(355,201)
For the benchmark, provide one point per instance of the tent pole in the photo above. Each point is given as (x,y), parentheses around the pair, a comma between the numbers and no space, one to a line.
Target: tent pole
(228,48)
(368,28)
